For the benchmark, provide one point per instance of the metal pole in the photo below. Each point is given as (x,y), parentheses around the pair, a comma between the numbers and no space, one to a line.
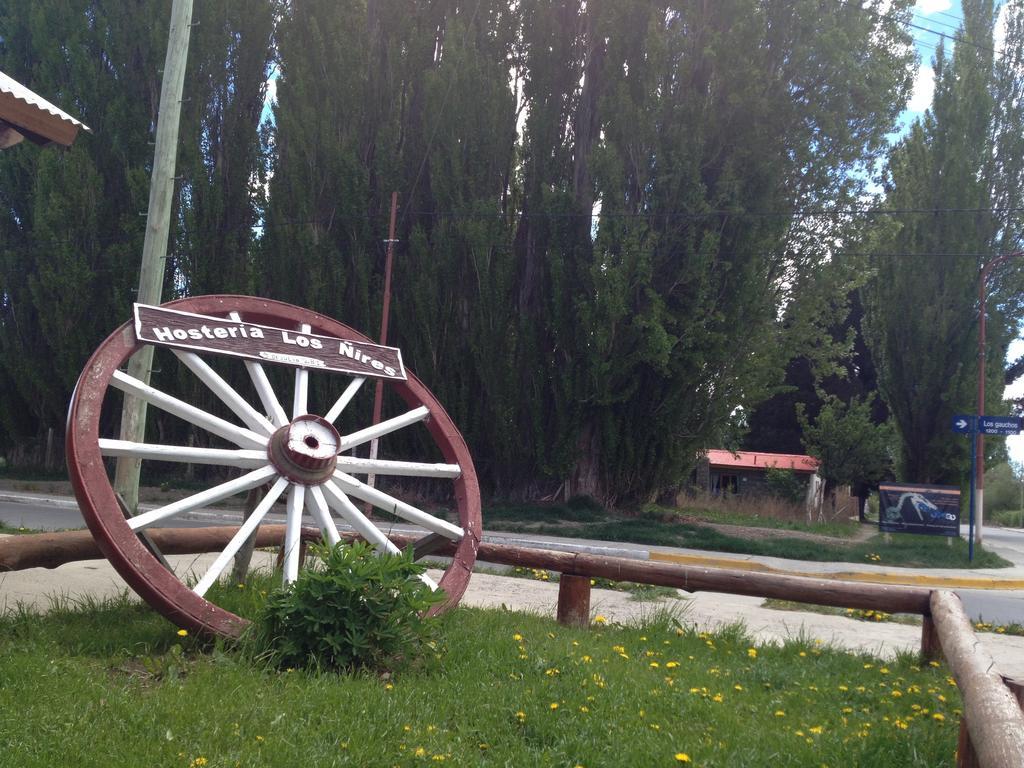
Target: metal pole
(978,455)
(378,393)
(979,439)
(970,518)
(154,249)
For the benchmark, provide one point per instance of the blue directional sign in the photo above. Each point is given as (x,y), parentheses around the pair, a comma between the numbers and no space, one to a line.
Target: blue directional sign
(963,423)
(999,425)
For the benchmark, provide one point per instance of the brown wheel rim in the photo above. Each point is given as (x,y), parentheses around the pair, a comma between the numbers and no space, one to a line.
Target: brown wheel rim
(328,486)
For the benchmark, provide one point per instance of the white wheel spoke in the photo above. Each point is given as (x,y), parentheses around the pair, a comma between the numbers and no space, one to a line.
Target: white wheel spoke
(322,514)
(345,399)
(253,419)
(300,399)
(344,506)
(293,532)
(263,388)
(350,512)
(245,438)
(387,503)
(385,427)
(360,466)
(224,457)
(240,537)
(209,496)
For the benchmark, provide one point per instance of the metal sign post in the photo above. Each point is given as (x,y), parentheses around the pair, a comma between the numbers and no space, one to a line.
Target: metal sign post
(969,424)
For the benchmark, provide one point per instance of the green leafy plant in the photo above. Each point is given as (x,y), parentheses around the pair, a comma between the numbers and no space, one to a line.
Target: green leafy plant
(784,484)
(355,609)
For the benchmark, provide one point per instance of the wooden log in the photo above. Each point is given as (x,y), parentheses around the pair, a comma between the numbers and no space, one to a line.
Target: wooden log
(931,649)
(51,550)
(994,721)
(573,601)
(879,597)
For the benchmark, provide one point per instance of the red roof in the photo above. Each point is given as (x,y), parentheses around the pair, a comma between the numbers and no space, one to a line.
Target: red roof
(754,460)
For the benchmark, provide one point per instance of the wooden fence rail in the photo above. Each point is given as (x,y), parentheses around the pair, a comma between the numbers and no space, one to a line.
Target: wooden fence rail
(993,736)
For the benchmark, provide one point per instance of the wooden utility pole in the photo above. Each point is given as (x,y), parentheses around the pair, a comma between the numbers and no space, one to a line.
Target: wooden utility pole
(154,249)
(378,394)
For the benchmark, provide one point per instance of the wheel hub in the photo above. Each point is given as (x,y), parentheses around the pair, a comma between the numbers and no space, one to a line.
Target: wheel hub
(306,450)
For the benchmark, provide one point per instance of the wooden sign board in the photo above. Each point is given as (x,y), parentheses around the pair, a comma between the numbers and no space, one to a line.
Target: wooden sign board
(284,346)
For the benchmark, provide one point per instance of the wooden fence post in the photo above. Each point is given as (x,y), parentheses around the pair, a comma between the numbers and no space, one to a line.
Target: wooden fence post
(574,600)
(931,648)
(966,757)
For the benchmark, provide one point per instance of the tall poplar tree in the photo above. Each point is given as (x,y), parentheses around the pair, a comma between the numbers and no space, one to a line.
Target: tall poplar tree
(948,180)
(70,228)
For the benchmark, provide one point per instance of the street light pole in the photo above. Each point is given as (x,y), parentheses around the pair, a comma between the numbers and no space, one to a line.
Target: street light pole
(979,446)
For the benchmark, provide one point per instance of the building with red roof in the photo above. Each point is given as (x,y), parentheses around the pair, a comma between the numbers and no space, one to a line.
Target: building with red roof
(745,472)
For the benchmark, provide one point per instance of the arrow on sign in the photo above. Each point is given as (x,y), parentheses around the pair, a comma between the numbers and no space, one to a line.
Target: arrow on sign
(963,424)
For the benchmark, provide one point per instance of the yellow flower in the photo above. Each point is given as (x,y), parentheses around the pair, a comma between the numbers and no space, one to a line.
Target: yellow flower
(517,637)
(420,752)
(521,716)
(182,633)
(682,757)
(388,686)
(779,713)
(816,729)
(752,653)
(599,619)
(938,716)
(198,762)
(553,705)
(672,665)
(654,665)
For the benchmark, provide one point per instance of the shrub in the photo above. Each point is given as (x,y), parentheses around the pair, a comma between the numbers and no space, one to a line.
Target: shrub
(356,609)
(784,484)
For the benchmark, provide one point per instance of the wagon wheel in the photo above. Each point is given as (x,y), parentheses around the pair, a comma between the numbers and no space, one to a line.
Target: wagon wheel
(297,456)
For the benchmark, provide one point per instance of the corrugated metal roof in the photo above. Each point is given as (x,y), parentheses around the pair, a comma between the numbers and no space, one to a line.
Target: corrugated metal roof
(756,460)
(19,91)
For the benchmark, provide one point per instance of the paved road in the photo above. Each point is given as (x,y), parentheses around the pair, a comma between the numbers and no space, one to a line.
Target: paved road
(998,606)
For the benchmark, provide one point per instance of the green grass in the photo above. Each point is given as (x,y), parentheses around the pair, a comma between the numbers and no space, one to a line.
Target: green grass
(15,530)
(1014,629)
(852,613)
(838,530)
(112,684)
(904,550)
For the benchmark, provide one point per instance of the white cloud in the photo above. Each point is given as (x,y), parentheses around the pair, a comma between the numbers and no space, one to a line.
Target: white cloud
(271,97)
(928,7)
(924,88)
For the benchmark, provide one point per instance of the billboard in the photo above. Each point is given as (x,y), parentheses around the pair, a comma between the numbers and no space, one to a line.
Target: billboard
(905,508)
